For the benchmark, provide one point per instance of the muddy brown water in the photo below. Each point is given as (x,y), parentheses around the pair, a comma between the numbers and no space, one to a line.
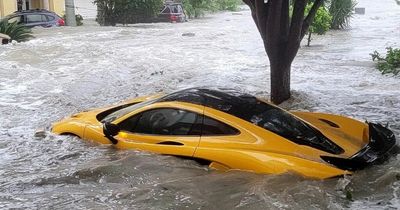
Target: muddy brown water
(66,70)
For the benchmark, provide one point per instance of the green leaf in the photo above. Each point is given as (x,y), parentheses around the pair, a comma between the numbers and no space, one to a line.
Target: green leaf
(17,32)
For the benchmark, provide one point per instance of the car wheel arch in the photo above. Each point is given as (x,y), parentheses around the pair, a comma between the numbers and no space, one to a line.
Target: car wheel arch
(70,134)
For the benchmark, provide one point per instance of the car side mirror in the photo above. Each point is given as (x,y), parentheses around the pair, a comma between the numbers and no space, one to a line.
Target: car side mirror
(110,130)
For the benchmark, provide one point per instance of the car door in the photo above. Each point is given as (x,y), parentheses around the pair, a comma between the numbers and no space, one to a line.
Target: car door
(216,134)
(163,130)
(222,143)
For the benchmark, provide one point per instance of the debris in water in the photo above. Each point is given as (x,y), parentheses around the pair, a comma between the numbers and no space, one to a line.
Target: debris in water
(190,34)
(349,195)
(359,10)
(40,133)
(157,72)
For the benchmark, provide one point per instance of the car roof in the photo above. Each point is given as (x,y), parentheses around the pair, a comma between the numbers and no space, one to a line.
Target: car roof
(230,101)
(172,4)
(34,11)
(251,109)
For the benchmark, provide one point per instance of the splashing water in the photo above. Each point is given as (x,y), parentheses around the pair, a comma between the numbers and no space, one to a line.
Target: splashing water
(66,70)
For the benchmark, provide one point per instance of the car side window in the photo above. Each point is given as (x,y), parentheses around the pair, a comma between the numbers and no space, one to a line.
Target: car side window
(166,10)
(165,121)
(180,10)
(175,9)
(36,18)
(50,18)
(212,127)
(17,19)
(130,123)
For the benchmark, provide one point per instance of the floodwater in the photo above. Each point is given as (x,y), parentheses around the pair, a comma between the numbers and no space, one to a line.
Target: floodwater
(66,70)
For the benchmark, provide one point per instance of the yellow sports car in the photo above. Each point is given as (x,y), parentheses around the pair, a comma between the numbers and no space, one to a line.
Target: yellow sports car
(234,131)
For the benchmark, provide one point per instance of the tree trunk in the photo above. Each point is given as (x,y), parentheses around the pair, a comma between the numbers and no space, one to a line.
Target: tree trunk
(309,39)
(282,36)
(280,81)
(70,18)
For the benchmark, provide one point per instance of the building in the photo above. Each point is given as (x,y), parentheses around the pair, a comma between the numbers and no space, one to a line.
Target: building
(9,6)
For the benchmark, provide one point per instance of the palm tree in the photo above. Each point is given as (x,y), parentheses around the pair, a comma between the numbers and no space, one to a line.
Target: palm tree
(342,12)
(16,31)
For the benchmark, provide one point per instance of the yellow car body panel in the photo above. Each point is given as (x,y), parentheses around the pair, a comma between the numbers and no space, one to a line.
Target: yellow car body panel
(351,134)
(267,163)
(251,149)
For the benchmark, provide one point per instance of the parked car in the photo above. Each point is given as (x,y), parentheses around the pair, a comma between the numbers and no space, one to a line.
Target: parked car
(36,17)
(230,130)
(171,12)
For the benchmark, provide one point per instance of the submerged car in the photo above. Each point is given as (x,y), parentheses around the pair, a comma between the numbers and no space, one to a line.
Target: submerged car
(171,12)
(230,130)
(36,17)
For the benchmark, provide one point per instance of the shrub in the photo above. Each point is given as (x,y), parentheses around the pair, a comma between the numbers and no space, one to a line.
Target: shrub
(111,12)
(342,12)
(78,18)
(390,63)
(197,8)
(16,31)
(320,24)
(230,5)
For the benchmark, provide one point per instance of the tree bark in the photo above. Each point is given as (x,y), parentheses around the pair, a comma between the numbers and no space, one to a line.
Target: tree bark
(280,81)
(70,18)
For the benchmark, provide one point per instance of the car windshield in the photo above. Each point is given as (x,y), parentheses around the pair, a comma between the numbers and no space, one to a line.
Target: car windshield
(126,110)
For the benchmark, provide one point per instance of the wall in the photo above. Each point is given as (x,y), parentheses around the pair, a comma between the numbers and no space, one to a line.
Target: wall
(7,7)
(36,4)
(57,6)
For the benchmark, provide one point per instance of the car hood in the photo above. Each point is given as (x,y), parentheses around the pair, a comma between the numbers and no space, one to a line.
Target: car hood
(90,117)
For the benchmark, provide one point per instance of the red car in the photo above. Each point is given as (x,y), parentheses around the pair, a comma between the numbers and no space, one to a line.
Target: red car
(171,12)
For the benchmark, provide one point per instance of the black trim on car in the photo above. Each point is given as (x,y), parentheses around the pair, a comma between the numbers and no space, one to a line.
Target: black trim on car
(382,145)
(104,114)
(330,123)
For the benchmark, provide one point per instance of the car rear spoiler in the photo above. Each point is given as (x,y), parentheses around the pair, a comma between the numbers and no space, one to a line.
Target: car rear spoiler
(382,145)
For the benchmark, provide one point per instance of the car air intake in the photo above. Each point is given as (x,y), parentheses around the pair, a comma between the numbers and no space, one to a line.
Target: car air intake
(330,123)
